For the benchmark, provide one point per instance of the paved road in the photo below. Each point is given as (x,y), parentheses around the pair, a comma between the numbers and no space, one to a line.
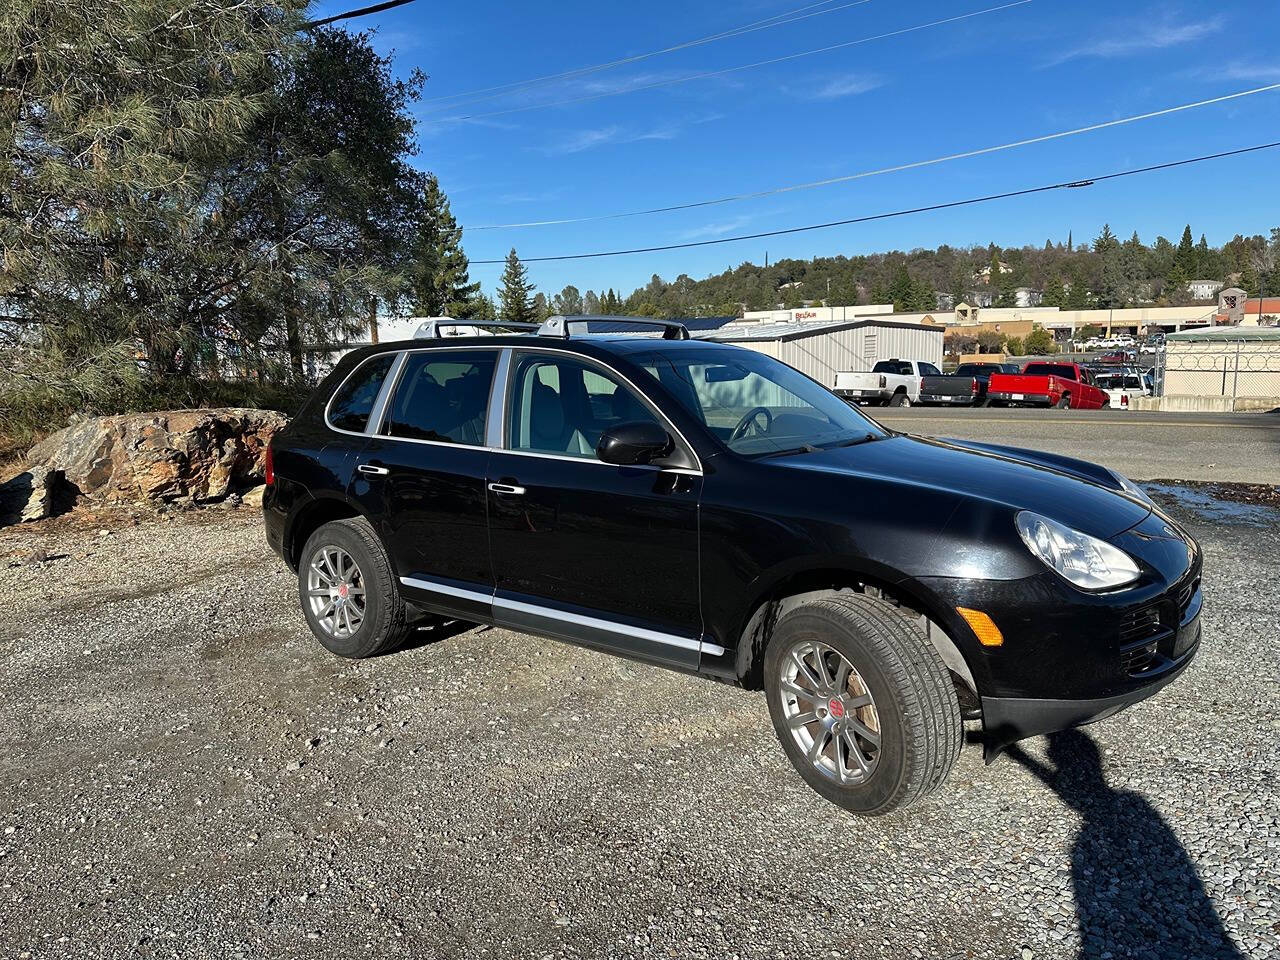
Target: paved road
(1227,447)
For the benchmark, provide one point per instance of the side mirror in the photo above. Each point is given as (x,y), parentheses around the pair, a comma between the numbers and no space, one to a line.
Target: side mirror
(629,444)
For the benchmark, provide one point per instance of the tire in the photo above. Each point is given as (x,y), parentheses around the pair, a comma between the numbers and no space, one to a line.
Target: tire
(899,400)
(1064,402)
(384,621)
(912,695)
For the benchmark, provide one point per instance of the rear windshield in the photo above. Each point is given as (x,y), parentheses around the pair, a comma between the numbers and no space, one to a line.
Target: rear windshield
(978,369)
(1050,370)
(892,366)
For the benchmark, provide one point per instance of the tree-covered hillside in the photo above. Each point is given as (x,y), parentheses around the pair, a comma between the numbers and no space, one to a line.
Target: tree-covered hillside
(1105,271)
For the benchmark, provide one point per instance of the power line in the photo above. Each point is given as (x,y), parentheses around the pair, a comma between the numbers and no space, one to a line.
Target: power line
(350,14)
(503,89)
(728,70)
(1065,185)
(914,165)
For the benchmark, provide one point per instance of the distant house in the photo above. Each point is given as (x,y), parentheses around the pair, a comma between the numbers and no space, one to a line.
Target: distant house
(981,298)
(984,275)
(1204,289)
(1027,297)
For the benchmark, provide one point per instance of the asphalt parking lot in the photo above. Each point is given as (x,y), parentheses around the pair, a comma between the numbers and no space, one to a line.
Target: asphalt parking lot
(1145,445)
(184,772)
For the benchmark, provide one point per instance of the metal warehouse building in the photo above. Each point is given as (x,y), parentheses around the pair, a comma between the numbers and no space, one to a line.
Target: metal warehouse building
(822,350)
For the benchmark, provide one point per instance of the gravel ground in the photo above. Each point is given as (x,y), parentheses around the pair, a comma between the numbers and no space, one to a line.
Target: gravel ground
(184,772)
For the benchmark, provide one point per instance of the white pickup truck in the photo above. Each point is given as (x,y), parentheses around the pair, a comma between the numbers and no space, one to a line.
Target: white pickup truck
(894,383)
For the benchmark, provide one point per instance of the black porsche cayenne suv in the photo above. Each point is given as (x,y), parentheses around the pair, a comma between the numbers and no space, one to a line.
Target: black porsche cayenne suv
(706,508)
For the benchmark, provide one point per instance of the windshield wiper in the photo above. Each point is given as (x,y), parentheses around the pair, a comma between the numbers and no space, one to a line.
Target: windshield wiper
(866,438)
(790,451)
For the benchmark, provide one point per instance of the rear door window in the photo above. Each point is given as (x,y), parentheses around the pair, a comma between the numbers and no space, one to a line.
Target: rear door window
(443,397)
(351,405)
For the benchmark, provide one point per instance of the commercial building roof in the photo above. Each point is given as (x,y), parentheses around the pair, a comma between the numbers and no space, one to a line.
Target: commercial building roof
(1226,334)
(755,332)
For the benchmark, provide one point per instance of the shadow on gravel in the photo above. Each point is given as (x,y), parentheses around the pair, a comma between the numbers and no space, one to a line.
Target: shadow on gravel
(431,631)
(1137,892)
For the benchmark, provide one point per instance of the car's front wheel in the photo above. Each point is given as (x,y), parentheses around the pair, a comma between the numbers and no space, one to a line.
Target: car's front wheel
(862,703)
(348,592)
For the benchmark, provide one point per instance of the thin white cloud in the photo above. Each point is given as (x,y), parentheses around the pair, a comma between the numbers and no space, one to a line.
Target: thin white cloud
(1131,37)
(716,229)
(605,136)
(849,85)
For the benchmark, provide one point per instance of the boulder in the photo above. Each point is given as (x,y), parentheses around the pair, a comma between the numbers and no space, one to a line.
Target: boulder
(166,456)
(28,495)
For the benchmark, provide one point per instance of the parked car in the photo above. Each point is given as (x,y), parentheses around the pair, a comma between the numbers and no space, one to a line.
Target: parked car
(707,508)
(1047,384)
(968,385)
(1122,387)
(893,383)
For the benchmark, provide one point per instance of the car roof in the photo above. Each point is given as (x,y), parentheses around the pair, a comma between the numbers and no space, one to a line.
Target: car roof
(619,343)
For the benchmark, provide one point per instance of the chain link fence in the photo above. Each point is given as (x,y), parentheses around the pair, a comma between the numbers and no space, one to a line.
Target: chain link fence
(1239,369)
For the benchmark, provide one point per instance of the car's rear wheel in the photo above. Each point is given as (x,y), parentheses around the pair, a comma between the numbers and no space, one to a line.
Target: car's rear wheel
(899,400)
(862,703)
(348,593)
(1064,402)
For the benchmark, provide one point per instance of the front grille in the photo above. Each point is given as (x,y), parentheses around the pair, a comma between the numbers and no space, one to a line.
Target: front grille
(1140,632)
(1140,625)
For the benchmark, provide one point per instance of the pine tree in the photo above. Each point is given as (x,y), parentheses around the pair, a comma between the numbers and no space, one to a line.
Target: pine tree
(902,292)
(1055,294)
(1070,243)
(515,293)
(1185,257)
(440,284)
(1106,241)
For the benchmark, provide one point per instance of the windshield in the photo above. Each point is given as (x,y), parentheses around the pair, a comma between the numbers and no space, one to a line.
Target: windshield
(977,369)
(755,404)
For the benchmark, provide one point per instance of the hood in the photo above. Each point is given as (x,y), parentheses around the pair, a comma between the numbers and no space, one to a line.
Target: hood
(1082,495)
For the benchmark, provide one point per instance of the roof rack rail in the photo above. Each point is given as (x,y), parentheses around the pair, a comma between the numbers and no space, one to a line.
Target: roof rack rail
(430,329)
(558,326)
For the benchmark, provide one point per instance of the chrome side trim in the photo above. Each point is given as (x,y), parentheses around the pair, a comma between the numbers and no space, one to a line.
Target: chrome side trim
(594,623)
(497,413)
(607,626)
(434,587)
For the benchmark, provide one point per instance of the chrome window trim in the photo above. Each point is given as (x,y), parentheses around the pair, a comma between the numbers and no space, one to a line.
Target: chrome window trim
(397,370)
(497,413)
(381,391)
(550,613)
(380,405)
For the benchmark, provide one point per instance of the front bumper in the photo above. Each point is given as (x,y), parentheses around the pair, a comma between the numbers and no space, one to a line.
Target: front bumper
(1007,720)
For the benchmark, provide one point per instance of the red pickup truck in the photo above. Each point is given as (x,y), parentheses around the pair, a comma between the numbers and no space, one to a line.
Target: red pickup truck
(1047,384)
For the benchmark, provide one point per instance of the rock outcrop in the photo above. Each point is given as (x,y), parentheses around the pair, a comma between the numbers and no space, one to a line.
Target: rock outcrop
(28,495)
(174,455)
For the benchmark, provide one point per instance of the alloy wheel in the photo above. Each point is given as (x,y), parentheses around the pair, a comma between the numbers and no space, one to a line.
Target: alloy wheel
(829,712)
(336,591)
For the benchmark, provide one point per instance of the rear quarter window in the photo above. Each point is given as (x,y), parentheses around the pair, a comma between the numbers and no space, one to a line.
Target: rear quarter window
(353,401)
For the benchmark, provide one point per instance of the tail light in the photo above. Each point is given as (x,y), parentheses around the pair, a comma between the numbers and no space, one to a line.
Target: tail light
(975,386)
(1124,400)
(269,467)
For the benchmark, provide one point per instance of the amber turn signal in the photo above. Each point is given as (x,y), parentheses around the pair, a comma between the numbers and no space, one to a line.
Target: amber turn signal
(989,634)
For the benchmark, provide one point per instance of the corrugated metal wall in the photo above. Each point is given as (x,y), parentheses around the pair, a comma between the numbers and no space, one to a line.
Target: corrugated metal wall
(824,354)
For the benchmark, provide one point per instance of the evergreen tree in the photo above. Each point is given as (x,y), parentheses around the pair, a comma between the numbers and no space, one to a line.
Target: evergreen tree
(1175,285)
(1055,295)
(1070,243)
(902,292)
(1185,256)
(590,303)
(994,267)
(515,292)
(440,284)
(568,302)
(1008,286)
(1106,241)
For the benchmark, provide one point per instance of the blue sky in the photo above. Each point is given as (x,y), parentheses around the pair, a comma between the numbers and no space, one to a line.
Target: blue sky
(1026,71)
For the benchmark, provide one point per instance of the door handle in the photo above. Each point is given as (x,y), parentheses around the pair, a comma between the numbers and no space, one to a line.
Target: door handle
(370,469)
(507,488)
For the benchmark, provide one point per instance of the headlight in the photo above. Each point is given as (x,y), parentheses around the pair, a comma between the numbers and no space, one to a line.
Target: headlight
(1089,563)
